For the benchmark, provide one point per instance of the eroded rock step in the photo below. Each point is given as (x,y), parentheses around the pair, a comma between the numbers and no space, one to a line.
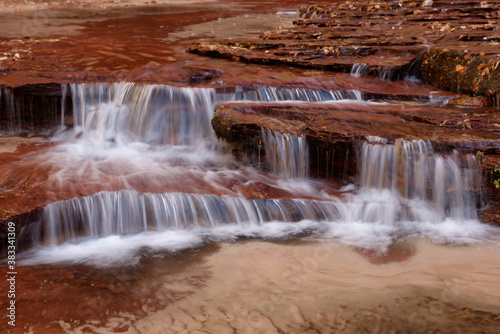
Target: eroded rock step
(469,129)
(39,108)
(34,108)
(335,131)
(457,42)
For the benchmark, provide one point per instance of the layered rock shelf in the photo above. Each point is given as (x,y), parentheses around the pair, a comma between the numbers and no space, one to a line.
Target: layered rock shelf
(453,45)
(335,129)
(165,169)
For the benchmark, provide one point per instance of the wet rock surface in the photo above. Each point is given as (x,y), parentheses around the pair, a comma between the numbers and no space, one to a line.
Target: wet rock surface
(273,286)
(457,42)
(385,39)
(353,122)
(451,45)
(336,130)
(441,42)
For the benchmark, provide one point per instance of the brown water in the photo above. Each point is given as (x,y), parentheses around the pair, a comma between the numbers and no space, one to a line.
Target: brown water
(266,287)
(323,287)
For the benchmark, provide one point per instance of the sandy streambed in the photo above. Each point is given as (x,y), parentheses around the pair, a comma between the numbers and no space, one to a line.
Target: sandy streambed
(321,287)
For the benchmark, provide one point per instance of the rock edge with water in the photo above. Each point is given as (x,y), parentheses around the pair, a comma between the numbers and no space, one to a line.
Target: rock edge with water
(453,45)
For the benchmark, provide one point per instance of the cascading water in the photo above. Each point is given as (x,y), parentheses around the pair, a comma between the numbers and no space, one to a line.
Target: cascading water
(405,188)
(359,70)
(129,212)
(287,154)
(386,73)
(154,114)
(273,94)
(430,187)
(110,114)
(64,93)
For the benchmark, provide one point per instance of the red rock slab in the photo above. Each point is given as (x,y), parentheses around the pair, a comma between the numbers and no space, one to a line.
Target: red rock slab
(220,74)
(351,122)
(313,55)
(335,130)
(384,35)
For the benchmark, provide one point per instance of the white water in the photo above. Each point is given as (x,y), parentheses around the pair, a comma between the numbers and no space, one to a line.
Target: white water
(128,212)
(359,70)
(412,171)
(161,135)
(124,113)
(64,92)
(121,114)
(286,154)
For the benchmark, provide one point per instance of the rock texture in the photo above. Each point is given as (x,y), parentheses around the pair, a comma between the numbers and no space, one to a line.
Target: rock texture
(464,71)
(350,121)
(456,41)
(333,130)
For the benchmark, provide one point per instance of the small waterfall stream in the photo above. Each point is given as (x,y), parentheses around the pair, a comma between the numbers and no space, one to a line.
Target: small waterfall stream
(359,70)
(287,154)
(155,114)
(412,171)
(405,188)
(13,119)
(114,114)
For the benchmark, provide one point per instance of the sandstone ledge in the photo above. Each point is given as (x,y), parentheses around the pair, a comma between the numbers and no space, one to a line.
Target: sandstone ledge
(325,124)
(335,130)
(463,71)
(456,42)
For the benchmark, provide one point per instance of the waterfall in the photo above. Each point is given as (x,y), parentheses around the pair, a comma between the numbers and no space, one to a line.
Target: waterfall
(429,186)
(14,118)
(405,188)
(24,110)
(359,70)
(386,73)
(275,94)
(110,114)
(13,122)
(64,92)
(286,154)
(129,212)
(155,114)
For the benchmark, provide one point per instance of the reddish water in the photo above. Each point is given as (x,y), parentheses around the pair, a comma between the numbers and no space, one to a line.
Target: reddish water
(247,287)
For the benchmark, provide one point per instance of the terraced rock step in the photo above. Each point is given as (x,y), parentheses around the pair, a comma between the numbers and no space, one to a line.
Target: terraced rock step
(457,42)
(351,122)
(335,130)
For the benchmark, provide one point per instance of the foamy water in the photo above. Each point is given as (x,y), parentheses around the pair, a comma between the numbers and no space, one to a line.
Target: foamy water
(117,250)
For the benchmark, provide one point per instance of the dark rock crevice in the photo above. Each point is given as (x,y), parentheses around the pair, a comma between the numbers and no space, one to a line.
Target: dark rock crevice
(33,108)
